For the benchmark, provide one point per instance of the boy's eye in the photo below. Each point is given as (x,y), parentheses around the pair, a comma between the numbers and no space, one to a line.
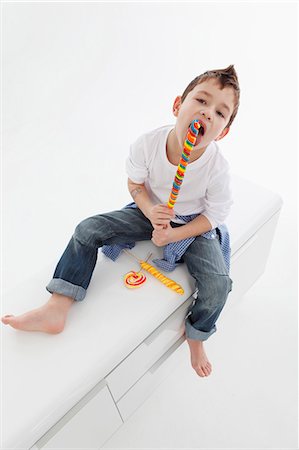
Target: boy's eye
(201,100)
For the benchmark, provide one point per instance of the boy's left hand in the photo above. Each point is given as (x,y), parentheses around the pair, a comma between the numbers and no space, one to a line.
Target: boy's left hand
(164,236)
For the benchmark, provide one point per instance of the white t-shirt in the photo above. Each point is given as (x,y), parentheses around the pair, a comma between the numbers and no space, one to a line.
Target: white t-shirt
(206,186)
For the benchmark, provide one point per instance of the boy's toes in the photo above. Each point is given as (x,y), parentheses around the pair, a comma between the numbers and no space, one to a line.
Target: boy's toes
(202,371)
(6,319)
(208,370)
(199,370)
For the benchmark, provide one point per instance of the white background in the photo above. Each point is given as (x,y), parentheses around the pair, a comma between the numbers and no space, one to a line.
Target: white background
(81,81)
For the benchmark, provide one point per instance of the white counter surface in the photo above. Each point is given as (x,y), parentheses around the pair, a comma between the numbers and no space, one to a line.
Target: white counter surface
(43,376)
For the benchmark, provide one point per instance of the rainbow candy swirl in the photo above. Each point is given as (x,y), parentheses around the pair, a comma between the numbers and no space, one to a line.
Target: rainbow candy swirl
(189,143)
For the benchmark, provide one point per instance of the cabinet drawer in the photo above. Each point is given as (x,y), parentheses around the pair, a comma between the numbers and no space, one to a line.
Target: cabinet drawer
(137,395)
(146,354)
(87,425)
(248,263)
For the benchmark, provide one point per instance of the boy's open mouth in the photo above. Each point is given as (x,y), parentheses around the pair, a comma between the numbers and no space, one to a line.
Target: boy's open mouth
(201,133)
(201,130)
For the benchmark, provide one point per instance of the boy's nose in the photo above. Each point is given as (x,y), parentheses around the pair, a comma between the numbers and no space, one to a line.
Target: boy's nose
(206,114)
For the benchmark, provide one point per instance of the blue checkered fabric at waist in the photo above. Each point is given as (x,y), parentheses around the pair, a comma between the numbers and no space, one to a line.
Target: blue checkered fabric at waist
(174,251)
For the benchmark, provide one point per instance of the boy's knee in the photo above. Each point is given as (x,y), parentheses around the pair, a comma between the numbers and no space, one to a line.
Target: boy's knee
(226,283)
(90,231)
(215,288)
(83,231)
(222,286)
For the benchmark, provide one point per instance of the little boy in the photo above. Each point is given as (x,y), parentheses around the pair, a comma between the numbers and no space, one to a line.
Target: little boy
(203,204)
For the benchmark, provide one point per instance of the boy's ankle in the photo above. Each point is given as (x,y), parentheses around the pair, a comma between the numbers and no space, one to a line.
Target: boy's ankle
(61,300)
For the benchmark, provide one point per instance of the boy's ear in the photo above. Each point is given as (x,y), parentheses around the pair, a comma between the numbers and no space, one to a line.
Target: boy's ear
(176,105)
(222,134)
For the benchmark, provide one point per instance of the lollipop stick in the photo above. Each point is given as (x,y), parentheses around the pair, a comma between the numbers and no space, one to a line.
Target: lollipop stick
(131,254)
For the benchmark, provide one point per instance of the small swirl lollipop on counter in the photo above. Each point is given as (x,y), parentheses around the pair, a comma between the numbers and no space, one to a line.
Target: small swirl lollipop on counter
(153,271)
(134,280)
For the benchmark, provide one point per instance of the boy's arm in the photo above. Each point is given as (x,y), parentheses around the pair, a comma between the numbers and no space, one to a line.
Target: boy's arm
(159,215)
(196,227)
(140,197)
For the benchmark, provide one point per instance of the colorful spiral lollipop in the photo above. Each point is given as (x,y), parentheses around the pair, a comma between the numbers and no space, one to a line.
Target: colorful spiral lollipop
(189,143)
(134,280)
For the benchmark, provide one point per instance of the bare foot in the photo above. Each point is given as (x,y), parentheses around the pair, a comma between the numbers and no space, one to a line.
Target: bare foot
(49,318)
(199,360)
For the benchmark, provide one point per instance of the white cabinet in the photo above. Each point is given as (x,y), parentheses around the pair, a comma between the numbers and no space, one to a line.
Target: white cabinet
(87,425)
(248,262)
(144,387)
(92,421)
(129,371)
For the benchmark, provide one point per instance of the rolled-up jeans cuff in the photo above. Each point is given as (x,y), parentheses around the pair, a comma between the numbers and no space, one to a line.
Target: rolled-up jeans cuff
(66,288)
(193,333)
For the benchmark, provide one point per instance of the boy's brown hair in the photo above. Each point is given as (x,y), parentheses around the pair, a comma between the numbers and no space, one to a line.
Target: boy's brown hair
(226,78)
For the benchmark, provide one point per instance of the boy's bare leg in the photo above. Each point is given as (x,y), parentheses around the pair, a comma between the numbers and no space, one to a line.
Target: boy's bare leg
(199,360)
(49,318)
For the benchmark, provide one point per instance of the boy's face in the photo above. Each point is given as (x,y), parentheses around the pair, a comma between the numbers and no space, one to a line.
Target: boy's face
(209,103)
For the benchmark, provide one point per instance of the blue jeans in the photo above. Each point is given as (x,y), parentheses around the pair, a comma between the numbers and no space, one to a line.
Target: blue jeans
(203,258)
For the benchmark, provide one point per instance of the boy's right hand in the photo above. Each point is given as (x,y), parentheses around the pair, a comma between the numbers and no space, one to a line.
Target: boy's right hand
(160,215)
